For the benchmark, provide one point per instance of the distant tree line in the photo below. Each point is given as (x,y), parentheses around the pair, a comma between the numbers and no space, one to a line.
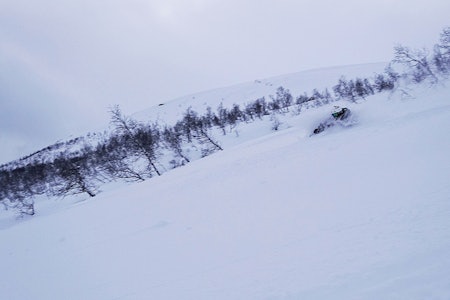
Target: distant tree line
(135,151)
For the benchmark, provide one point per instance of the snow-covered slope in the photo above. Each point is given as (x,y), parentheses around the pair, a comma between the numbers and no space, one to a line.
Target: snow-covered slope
(172,111)
(297,83)
(355,213)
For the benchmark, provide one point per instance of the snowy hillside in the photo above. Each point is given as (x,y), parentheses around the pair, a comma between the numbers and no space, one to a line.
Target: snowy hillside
(297,83)
(173,111)
(361,212)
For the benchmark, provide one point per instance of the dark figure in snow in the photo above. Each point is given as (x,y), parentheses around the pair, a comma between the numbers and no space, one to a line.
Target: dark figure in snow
(342,114)
(339,116)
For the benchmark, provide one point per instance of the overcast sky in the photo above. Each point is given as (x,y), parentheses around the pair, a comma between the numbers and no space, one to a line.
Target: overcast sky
(63,63)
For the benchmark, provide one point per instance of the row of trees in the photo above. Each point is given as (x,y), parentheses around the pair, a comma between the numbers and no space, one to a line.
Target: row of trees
(134,151)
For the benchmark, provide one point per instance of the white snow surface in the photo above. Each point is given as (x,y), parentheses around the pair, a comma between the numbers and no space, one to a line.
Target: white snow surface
(297,83)
(352,213)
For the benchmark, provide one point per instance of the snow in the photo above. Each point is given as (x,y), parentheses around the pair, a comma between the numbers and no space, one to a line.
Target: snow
(297,83)
(352,213)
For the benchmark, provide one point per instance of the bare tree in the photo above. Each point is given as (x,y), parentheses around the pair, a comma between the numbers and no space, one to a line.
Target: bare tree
(282,101)
(417,61)
(143,140)
(194,127)
(174,142)
(441,56)
(74,175)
